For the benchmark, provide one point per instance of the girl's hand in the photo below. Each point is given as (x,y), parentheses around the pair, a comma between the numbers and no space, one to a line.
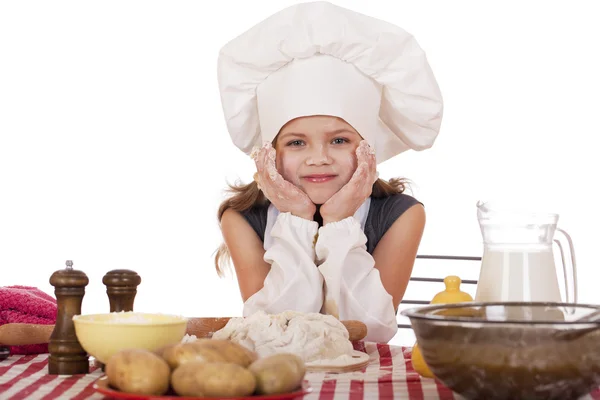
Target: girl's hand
(349,198)
(284,195)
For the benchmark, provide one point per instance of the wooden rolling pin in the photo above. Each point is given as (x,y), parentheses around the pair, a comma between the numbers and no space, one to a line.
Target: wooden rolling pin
(205,327)
(24,334)
(357,330)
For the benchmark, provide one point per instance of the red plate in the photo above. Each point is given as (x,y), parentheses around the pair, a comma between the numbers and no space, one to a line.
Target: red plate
(103,387)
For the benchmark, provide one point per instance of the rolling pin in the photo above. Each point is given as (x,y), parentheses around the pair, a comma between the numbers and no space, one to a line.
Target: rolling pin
(205,327)
(357,330)
(24,334)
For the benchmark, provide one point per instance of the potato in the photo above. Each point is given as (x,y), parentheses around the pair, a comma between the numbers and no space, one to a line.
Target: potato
(231,351)
(212,379)
(279,373)
(185,352)
(138,371)
(161,351)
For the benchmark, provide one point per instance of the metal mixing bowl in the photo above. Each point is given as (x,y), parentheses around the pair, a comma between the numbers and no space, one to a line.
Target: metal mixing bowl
(509,350)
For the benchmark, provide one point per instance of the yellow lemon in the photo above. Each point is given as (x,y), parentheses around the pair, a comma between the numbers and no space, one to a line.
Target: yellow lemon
(419,364)
(452,294)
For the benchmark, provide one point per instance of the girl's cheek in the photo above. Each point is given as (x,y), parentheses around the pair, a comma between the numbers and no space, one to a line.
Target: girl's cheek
(282,162)
(287,168)
(347,159)
(279,164)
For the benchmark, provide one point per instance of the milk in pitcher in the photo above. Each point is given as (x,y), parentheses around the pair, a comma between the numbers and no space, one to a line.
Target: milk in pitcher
(518,274)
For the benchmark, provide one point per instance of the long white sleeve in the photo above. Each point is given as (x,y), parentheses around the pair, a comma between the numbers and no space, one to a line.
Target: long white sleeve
(353,288)
(294,282)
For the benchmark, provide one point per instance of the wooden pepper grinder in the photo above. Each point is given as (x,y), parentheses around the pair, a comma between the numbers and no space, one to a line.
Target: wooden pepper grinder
(121,288)
(67,357)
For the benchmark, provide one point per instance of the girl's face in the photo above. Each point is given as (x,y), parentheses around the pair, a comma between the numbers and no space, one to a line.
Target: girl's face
(317,154)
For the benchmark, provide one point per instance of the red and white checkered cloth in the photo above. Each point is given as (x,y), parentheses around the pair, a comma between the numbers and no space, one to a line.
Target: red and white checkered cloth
(389,375)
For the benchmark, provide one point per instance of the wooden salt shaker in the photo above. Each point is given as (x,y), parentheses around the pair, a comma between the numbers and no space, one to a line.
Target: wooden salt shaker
(121,288)
(67,357)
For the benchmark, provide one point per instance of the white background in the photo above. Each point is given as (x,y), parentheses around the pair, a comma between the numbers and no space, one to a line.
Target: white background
(114,151)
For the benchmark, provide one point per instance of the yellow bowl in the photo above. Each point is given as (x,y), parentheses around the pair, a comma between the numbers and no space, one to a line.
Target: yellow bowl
(102,335)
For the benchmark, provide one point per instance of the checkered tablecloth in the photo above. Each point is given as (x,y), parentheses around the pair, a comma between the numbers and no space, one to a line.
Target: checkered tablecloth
(389,375)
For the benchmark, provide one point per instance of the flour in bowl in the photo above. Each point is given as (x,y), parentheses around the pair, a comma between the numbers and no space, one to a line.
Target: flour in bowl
(312,336)
(129,317)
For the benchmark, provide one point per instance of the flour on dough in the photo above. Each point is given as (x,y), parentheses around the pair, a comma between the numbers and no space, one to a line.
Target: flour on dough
(312,336)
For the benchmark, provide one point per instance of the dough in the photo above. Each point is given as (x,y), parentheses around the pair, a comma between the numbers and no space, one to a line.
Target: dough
(311,336)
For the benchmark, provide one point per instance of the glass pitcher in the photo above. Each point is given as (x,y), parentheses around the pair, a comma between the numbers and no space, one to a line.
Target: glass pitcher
(518,258)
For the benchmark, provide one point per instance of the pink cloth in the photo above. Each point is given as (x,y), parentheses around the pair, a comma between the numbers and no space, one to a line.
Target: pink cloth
(27,305)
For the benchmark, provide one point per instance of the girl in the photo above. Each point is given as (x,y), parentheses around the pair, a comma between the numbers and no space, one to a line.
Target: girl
(318,231)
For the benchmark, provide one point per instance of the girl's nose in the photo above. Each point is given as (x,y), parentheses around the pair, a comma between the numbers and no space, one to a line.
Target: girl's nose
(319,156)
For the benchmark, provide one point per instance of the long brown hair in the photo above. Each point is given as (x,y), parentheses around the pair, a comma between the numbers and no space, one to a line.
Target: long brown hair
(245,196)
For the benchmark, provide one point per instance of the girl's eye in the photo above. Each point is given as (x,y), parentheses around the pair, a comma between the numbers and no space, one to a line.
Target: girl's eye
(295,143)
(340,140)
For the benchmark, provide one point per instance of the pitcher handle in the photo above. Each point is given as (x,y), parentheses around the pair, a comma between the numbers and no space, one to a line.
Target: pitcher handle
(570,278)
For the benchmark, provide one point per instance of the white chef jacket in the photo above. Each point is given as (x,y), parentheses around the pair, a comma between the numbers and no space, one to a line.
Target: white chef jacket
(334,274)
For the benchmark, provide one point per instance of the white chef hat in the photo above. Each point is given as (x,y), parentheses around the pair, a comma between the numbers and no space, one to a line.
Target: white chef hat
(317,58)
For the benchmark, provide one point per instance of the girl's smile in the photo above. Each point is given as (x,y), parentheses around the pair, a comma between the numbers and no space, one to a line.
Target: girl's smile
(319,178)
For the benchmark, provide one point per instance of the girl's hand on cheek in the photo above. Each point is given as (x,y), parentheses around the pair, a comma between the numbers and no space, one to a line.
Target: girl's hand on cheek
(349,198)
(285,196)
